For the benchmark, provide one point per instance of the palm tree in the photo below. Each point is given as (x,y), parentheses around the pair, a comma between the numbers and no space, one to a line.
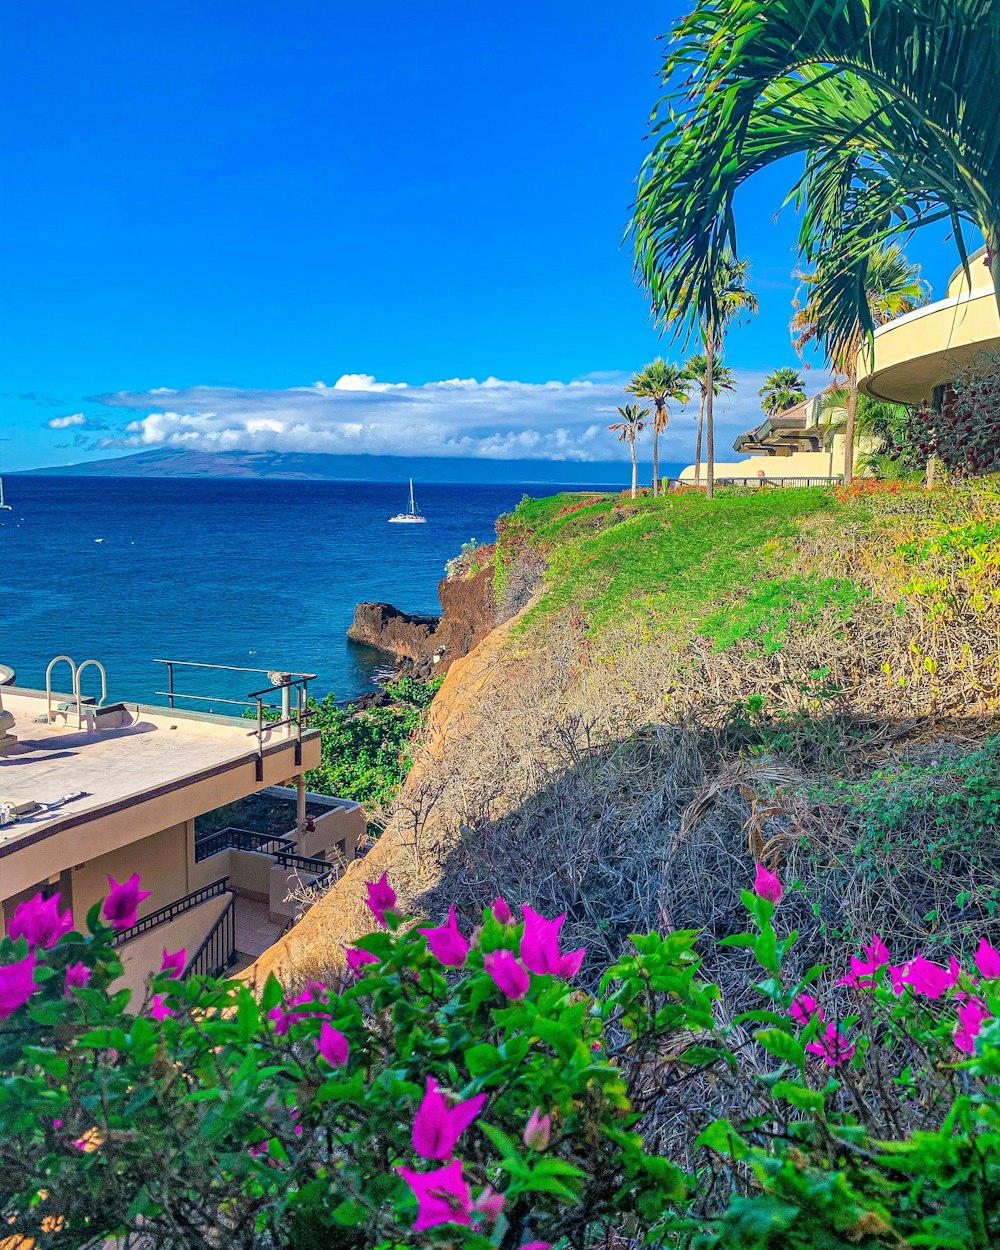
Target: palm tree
(886,104)
(723,379)
(782,389)
(659,382)
(633,418)
(881,421)
(892,287)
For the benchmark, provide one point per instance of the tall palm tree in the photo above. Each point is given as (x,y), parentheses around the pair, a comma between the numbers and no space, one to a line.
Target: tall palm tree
(723,379)
(892,287)
(628,429)
(782,389)
(732,299)
(886,103)
(660,382)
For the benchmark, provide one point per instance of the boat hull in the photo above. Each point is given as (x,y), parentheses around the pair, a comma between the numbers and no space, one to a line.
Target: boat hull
(407,520)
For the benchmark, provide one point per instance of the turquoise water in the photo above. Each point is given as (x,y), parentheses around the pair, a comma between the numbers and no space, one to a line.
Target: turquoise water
(262,574)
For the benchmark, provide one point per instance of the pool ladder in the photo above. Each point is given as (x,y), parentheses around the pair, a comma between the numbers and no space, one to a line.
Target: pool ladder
(77,672)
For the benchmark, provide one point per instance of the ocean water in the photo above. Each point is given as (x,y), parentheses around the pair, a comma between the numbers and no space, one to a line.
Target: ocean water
(260,574)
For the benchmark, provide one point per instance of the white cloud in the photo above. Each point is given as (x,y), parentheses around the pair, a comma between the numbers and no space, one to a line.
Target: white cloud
(492,419)
(63,423)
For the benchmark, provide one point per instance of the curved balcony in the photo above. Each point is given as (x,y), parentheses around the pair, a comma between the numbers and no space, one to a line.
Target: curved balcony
(924,349)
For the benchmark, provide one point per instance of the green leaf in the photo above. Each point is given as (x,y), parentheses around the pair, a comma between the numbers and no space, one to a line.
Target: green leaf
(482,1058)
(783,1046)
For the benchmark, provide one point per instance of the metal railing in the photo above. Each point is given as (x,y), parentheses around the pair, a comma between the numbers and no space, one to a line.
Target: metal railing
(297,719)
(177,908)
(320,869)
(218,951)
(832,480)
(233,839)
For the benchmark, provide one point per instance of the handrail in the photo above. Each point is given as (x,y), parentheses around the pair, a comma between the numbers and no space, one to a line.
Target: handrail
(233,839)
(177,908)
(78,690)
(319,869)
(202,962)
(48,682)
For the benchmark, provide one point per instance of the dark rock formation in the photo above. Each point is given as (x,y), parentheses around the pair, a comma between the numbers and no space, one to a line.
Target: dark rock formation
(428,645)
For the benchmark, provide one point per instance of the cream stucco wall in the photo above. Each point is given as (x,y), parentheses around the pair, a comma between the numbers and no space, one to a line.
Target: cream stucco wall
(161,860)
(187,931)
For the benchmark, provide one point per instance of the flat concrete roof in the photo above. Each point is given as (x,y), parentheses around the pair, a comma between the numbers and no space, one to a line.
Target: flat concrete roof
(141,751)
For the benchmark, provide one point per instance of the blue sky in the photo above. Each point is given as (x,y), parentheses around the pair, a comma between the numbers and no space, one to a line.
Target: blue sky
(208,209)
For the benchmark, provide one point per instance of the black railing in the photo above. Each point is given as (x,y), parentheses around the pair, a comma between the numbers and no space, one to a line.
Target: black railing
(835,479)
(233,839)
(176,908)
(320,869)
(287,716)
(218,951)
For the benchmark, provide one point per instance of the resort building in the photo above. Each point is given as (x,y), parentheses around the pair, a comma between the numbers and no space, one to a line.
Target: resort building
(211,810)
(918,354)
(801,446)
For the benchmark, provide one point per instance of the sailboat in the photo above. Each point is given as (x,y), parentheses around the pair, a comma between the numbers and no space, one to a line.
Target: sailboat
(4,507)
(412,517)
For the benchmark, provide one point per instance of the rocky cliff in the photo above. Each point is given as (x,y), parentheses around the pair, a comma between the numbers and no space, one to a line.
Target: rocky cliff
(428,643)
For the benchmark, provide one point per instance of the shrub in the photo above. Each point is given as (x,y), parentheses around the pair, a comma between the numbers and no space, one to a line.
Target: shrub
(458,1091)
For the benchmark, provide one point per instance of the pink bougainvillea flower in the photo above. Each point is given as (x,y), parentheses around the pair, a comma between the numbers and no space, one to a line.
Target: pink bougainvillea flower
(805,1008)
(446,942)
(38,921)
(972,1014)
(159,1009)
(988,960)
(17,984)
(438,1125)
(862,970)
(927,978)
(174,962)
(536,1245)
(122,904)
(538,1131)
(507,973)
(502,913)
(540,946)
(442,1196)
(333,1046)
(381,898)
(281,1020)
(77,976)
(832,1046)
(766,885)
(490,1204)
(358,959)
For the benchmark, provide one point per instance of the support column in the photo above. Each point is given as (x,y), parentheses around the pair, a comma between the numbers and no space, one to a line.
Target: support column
(300,803)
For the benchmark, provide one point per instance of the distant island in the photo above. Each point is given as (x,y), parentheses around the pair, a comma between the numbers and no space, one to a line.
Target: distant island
(178,463)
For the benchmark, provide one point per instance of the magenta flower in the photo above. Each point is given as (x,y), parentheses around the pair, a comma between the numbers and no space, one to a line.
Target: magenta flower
(437,1125)
(766,885)
(174,962)
(502,913)
(540,946)
(381,898)
(333,1046)
(442,1196)
(538,1131)
(832,1046)
(988,960)
(17,984)
(159,1009)
(446,942)
(77,976)
(122,904)
(927,978)
(804,1008)
(38,921)
(358,959)
(972,1015)
(862,970)
(490,1204)
(537,1245)
(281,1020)
(507,973)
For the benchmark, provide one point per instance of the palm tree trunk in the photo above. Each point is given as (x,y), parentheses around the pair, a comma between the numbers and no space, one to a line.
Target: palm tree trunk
(697,446)
(852,412)
(656,457)
(635,471)
(709,413)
